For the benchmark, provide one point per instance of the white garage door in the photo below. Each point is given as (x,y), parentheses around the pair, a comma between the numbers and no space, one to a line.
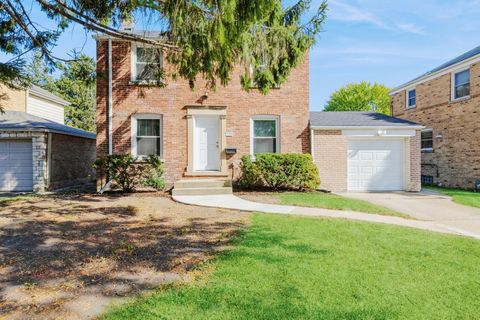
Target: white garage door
(16,171)
(375,165)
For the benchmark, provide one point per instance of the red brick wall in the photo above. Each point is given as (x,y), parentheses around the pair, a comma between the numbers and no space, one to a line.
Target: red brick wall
(290,102)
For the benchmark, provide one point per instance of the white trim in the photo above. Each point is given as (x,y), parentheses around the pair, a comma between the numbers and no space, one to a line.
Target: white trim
(277,130)
(133,131)
(312,143)
(133,60)
(366,127)
(430,76)
(452,84)
(380,133)
(426,149)
(407,98)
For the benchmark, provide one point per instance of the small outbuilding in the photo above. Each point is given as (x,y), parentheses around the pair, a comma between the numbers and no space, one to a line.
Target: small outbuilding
(37,154)
(365,151)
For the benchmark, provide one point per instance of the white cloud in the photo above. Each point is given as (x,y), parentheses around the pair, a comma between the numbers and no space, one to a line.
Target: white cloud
(342,11)
(411,28)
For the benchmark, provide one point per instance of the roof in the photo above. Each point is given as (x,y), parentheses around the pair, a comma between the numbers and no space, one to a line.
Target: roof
(357,119)
(36,90)
(22,121)
(458,60)
(153,35)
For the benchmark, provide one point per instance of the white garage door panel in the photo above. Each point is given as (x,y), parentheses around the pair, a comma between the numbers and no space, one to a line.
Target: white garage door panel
(375,165)
(16,165)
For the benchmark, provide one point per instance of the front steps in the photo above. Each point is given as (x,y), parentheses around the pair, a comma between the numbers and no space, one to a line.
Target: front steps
(201,187)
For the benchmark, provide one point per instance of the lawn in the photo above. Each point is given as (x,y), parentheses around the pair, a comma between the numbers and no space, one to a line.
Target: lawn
(465,197)
(304,268)
(335,202)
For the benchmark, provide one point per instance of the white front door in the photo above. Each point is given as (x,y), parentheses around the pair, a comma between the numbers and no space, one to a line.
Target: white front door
(375,165)
(206,143)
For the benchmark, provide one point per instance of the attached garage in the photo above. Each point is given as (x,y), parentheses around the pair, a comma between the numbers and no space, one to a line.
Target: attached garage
(365,152)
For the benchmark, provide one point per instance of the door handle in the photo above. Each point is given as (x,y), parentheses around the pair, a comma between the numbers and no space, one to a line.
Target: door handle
(217,144)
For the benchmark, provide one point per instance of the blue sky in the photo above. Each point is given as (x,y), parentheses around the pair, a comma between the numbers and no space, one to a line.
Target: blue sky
(382,41)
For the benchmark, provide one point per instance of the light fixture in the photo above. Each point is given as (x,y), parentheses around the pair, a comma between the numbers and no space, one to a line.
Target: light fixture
(439,136)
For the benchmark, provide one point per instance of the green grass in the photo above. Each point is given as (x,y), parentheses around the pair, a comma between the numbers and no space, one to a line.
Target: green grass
(303,268)
(335,202)
(6,200)
(465,197)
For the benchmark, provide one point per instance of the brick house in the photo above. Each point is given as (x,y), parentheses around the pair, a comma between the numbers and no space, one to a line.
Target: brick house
(446,101)
(190,129)
(202,134)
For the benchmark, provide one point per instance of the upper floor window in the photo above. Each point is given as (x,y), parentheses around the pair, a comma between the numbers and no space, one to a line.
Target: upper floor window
(264,135)
(461,84)
(411,98)
(147,63)
(427,140)
(146,135)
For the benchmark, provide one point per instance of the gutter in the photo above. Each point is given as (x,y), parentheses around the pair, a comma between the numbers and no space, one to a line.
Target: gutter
(46,130)
(366,127)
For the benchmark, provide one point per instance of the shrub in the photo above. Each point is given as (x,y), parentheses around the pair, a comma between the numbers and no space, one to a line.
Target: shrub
(128,174)
(154,176)
(279,171)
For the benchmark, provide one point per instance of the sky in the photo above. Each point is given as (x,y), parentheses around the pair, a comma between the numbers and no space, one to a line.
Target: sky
(384,41)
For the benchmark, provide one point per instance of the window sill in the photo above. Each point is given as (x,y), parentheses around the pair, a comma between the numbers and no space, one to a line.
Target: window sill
(147,83)
(459,99)
(429,150)
(411,107)
(143,159)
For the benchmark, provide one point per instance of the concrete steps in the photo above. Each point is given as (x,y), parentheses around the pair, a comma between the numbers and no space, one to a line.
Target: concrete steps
(199,187)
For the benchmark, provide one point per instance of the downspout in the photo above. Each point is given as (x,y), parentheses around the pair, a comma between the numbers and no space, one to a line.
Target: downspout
(109,113)
(110,139)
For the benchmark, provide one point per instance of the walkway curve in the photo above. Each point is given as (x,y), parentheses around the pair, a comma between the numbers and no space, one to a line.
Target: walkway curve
(233,202)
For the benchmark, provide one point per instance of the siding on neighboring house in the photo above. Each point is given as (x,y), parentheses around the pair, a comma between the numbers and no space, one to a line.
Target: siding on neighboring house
(45,109)
(13,100)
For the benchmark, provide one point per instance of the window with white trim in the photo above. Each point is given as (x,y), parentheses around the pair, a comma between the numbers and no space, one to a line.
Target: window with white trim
(265,137)
(411,98)
(427,140)
(461,84)
(147,63)
(147,135)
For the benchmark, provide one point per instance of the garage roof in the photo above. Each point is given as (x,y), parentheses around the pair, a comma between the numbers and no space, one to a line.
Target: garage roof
(22,121)
(343,119)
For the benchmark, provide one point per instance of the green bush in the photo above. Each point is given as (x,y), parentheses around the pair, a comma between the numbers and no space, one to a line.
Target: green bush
(127,174)
(279,171)
(154,177)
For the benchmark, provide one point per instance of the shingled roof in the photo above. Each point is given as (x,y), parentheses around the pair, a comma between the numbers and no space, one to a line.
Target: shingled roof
(22,121)
(461,58)
(357,119)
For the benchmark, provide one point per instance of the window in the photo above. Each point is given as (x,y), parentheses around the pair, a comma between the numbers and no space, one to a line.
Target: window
(427,140)
(264,135)
(147,64)
(411,98)
(147,135)
(461,84)
(426,179)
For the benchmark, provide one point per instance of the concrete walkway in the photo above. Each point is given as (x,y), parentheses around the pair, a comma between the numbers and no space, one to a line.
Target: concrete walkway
(236,203)
(428,206)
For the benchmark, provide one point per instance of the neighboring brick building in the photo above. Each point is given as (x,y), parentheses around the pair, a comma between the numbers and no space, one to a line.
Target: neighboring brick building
(190,129)
(446,101)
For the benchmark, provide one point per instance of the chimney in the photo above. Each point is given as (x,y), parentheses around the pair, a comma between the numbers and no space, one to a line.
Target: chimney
(127,25)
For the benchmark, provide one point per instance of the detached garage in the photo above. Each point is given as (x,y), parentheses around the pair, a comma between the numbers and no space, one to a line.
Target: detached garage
(365,151)
(37,154)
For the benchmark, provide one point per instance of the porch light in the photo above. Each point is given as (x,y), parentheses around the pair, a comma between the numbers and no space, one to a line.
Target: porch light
(439,136)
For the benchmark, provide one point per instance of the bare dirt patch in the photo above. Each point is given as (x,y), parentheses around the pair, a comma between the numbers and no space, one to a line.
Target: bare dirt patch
(68,257)
(259,196)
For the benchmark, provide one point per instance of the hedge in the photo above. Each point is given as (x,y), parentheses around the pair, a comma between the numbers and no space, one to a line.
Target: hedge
(289,171)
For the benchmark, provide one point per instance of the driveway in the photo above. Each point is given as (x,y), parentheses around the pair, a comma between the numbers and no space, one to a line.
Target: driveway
(428,206)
